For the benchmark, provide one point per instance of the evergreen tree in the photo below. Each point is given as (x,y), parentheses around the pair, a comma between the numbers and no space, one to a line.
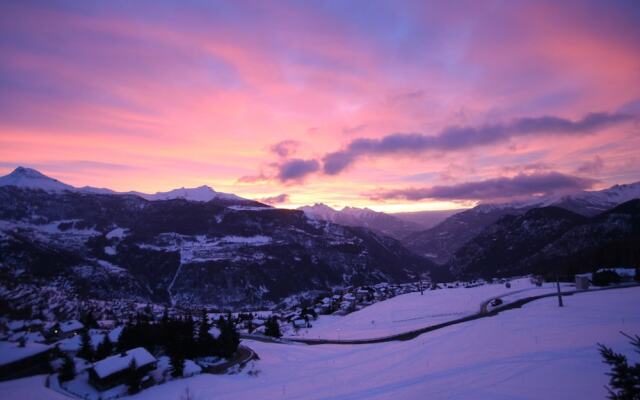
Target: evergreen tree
(206,343)
(625,379)
(105,348)
(272,327)
(229,339)
(134,377)
(68,371)
(86,349)
(176,358)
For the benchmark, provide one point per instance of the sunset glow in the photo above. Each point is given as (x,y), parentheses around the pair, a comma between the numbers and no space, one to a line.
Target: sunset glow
(397,106)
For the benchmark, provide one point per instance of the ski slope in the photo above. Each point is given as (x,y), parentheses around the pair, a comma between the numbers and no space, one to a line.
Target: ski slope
(413,311)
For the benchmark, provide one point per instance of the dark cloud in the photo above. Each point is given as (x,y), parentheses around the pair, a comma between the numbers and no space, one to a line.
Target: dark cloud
(296,169)
(591,167)
(458,138)
(279,199)
(285,148)
(492,189)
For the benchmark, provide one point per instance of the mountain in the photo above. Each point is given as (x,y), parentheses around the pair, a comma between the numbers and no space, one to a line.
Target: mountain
(443,240)
(591,203)
(426,219)
(502,246)
(224,252)
(201,193)
(550,240)
(30,178)
(351,216)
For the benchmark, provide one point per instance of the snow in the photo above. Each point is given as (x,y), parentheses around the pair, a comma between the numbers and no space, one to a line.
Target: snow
(31,388)
(201,193)
(70,326)
(117,233)
(413,311)
(10,352)
(30,178)
(113,364)
(540,351)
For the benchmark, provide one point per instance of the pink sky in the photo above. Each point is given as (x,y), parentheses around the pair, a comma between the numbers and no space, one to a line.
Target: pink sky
(156,95)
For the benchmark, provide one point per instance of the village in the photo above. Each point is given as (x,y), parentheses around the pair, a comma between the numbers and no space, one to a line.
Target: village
(95,357)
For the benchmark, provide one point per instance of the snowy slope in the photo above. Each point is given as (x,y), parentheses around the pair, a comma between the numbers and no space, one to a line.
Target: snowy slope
(413,311)
(201,193)
(30,178)
(363,217)
(537,352)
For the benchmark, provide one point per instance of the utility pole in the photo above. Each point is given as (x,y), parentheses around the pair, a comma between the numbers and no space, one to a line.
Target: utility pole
(559,293)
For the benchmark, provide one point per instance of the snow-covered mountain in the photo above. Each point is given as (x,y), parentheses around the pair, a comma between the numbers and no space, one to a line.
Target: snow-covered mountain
(550,239)
(200,193)
(30,178)
(363,217)
(220,252)
(443,240)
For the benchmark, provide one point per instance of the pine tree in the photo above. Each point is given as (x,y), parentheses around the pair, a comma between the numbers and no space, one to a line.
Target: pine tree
(68,371)
(625,379)
(105,348)
(86,349)
(272,327)
(229,339)
(206,342)
(176,358)
(134,377)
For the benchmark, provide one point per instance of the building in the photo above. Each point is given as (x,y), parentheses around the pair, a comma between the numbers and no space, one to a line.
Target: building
(66,329)
(112,371)
(19,361)
(583,281)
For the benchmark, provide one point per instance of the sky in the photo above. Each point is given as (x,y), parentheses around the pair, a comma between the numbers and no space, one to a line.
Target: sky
(392,105)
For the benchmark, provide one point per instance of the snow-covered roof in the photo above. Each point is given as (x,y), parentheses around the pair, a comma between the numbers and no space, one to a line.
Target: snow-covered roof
(621,271)
(70,326)
(10,352)
(16,325)
(119,362)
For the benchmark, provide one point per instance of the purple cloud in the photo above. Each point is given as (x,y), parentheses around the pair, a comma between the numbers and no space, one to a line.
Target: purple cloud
(285,148)
(457,138)
(279,199)
(492,189)
(296,169)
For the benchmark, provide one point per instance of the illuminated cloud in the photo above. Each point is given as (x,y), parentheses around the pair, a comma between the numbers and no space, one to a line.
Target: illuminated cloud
(256,98)
(460,138)
(492,189)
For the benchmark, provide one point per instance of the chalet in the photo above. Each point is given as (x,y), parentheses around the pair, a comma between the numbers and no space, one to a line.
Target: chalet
(66,329)
(19,361)
(112,371)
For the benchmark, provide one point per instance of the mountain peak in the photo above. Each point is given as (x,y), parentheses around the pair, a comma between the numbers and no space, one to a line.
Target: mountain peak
(200,193)
(31,178)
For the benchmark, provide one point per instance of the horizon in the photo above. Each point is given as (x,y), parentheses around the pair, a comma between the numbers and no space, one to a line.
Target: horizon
(396,107)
